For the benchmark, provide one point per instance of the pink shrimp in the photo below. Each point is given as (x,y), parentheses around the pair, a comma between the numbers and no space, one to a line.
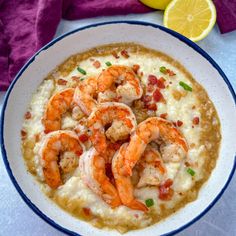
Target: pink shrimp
(92,168)
(84,95)
(152,129)
(123,183)
(128,87)
(54,144)
(120,118)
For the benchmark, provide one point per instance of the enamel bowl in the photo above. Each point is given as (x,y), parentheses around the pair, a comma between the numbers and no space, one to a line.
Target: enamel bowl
(197,62)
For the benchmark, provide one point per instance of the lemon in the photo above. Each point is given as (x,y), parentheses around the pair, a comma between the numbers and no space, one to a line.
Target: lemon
(192,18)
(156,4)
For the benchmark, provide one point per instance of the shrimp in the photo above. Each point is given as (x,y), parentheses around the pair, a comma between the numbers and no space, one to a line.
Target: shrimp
(128,85)
(54,144)
(120,118)
(152,168)
(92,168)
(123,183)
(152,129)
(85,93)
(58,104)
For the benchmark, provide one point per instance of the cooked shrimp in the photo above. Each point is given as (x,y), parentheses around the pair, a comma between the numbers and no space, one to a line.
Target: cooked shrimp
(152,129)
(58,104)
(54,144)
(123,183)
(85,93)
(92,168)
(120,118)
(128,84)
(152,168)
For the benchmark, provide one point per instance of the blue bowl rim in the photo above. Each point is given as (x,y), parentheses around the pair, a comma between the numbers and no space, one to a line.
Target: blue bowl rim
(132,22)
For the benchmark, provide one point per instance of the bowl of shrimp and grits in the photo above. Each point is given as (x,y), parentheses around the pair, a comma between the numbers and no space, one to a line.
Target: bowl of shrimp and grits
(120,128)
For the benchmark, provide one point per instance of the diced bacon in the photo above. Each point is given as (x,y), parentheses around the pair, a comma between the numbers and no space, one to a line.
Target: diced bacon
(75,78)
(165,191)
(114,54)
(97,64)
(23,134)
(124,53)
(160,83)
(61,82)
(136,68)
(152,106)
(163,115)
(170,72)
(152,79)
(27,115)
(87,211)
(196,120)
(179,123)
(157,96)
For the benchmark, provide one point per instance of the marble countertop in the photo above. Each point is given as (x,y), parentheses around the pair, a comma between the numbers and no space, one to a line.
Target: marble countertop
(16,218)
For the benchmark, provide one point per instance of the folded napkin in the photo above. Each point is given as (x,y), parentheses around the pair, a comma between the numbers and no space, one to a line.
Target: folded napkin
(25,26)
(226,15)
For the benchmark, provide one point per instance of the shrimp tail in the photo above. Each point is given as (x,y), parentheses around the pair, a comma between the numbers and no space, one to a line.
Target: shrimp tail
(137,205)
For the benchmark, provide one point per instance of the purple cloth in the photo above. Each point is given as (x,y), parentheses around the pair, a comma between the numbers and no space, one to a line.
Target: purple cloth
(27,25)
(226,15)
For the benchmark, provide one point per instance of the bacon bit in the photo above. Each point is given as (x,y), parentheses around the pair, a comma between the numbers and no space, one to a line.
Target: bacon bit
(165,191)
(187,164)
(61,82)
(179,123)
(196,120)
(124,53)
(170,72)
(150,88)
(141,74)
(157,96)
(27,115)
(163,115)
(91,59)
(96,64)
(152,79)
(146,98)
(75,78)
(136,215)
(193,107)
(114,54)
(87,211)
(152,106)
(160,83)
(136,68)
(23,134)
(37,136)
(83,138)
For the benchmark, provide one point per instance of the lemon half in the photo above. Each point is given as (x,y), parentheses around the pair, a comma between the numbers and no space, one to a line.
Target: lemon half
(156,4)
(191,18)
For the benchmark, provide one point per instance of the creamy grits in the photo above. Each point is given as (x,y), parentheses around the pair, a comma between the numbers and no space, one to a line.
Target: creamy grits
(169,92)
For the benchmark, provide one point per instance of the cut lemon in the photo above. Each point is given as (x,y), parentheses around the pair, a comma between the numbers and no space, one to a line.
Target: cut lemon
(192,18)
(156,4)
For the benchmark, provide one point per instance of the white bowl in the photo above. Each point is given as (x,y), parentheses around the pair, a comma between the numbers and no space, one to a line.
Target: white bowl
(197,62)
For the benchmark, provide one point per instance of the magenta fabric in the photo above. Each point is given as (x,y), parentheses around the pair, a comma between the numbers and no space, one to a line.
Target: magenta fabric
(27,25)
(226,15)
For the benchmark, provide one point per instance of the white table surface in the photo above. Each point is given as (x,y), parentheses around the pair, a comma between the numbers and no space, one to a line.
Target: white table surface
(16,218)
